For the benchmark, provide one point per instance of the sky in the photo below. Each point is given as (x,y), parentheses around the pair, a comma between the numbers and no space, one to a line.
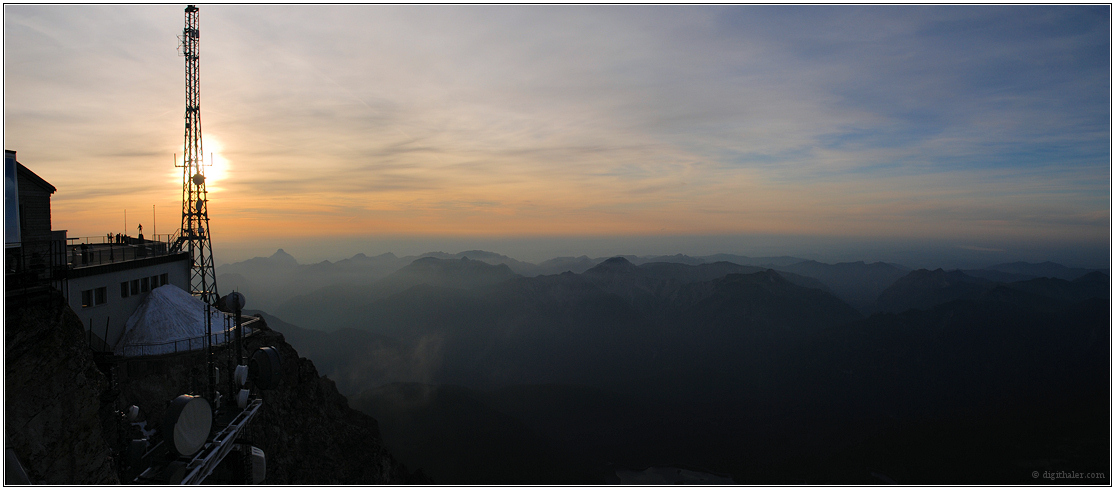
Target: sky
(980,133)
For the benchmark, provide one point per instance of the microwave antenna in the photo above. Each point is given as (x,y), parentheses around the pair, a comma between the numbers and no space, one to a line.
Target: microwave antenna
(194,235)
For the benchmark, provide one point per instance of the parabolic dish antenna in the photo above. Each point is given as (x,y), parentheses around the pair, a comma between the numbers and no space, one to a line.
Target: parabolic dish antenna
(235,300)
(266,368)
(187,423)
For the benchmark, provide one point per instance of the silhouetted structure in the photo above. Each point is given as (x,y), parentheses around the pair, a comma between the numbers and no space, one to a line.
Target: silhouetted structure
(194,235)
(31,248)
(102,278)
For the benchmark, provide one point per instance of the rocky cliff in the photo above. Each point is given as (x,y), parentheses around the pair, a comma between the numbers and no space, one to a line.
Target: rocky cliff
(63,419)
(52,408)
(311,435)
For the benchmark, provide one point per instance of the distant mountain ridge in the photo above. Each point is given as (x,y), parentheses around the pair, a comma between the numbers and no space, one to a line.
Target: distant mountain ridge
(923,289)
(1044,269)
(642,284)
(270,281)
(474,321)
(857,283)
(743,370)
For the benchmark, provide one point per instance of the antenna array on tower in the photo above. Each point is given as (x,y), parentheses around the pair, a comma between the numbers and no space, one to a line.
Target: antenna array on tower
(194,235)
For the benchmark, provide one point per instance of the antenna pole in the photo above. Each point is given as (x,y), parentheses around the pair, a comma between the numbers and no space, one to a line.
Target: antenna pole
(211,384)
(195,236)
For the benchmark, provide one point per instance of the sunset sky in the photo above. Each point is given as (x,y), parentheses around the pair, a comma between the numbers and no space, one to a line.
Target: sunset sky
(562,130)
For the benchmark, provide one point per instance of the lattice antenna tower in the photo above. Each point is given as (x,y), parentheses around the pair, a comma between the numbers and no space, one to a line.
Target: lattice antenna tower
(194,235)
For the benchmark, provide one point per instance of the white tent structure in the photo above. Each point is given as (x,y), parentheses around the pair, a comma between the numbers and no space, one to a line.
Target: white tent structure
(170,320)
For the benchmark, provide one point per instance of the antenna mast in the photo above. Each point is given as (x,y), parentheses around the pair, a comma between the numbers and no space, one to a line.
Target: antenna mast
(194,235)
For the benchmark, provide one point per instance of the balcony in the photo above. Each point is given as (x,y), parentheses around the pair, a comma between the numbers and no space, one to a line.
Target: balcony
(92,251)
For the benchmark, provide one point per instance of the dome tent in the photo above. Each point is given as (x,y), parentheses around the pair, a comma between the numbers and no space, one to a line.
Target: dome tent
(169,320)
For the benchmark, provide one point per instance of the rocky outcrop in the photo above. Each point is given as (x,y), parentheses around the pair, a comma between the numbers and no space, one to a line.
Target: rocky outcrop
(52,409)
(305,427)
(63,416)
(311,435)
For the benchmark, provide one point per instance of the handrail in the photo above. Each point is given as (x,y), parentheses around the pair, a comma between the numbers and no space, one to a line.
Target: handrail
(172,241)
(119,239)
(206,460)
(202,464)
(87,254)
(189,343)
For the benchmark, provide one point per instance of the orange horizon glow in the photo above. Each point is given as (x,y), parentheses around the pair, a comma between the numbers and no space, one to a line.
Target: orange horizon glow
(568,122)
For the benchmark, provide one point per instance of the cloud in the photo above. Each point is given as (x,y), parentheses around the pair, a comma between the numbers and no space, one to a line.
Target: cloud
(687,119)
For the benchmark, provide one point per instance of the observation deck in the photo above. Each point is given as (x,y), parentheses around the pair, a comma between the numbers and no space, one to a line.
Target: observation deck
(111,249)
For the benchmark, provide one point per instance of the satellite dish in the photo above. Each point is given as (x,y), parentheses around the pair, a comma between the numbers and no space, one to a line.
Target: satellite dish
(259,465)
(235,300)
(240,376)
(265,368)
(198,179)
(186,424)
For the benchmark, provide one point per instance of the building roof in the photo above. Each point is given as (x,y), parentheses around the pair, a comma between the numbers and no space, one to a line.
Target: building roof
(33,177)
(169,320)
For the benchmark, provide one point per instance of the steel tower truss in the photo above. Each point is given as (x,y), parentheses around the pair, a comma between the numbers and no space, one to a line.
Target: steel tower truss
(194,235)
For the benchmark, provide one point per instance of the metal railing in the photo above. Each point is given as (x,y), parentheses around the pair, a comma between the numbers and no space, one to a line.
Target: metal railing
(225,336)
(109,249)
(202,464)
(119,239)
(35,265)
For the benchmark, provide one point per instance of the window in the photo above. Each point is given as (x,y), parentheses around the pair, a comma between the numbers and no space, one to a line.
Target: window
(135,286)
(94,297)
(163,280)
(124,289)
(144,285)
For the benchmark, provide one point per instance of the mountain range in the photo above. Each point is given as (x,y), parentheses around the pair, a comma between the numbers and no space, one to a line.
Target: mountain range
(481,374)
(268,282)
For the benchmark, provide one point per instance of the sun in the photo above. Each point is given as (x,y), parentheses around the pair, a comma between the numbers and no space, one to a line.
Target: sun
(216,169)
(217,166)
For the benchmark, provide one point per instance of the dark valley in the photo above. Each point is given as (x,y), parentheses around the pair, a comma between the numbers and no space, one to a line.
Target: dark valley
(485,370)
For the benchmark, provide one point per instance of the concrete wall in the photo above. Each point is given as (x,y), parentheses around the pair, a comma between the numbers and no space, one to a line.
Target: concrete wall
(116,309)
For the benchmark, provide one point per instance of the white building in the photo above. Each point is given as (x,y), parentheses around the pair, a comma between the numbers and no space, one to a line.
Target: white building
(104,295)
(104,278)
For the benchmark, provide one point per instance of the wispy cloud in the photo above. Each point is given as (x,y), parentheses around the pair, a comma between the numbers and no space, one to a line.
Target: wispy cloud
(877,120)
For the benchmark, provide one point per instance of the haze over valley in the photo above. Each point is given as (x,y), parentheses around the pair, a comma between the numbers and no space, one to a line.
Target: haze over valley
(485,369)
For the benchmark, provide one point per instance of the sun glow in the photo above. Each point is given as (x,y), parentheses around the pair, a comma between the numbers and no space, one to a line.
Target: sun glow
(217,166)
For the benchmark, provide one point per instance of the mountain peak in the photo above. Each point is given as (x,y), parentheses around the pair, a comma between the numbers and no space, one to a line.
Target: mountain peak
(613,265)
(281,254)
